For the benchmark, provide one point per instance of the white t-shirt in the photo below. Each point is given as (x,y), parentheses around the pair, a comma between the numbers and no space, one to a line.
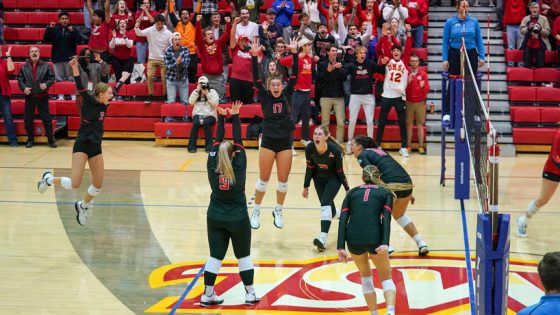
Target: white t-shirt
(251,30)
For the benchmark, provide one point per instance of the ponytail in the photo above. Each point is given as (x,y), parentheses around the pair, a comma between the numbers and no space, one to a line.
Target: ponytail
(372,175)
(366,142)
(224,167)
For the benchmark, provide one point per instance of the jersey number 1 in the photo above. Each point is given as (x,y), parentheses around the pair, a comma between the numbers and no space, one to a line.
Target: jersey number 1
(366,195)
(224,182)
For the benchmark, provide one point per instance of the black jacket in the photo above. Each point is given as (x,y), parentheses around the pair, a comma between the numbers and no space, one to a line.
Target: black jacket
(63,42)
(330,83)
(44,75)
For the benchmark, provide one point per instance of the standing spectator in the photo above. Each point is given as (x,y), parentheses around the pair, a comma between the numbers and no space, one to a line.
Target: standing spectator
(158,40)
(322,40)
(241,86)
(514,14)
(6,67)
(205,100)
(417,10)
(121,44)
(270,30)
(536,29)
(456,28)
(371,14)
(34,79)
(146,17)
(549,273)
(207,8)
(177,66)
(121,12)
(101,30)
(416,93)
(247,28)
(332,18)
(185,27)
(96,5)
(306,27)
(395,9)
(64,39)
(284,10)
(309,7)
(253,7)
(330,81)
(556,34)
(92,69)
(210,54)
(550,9)
(218,29)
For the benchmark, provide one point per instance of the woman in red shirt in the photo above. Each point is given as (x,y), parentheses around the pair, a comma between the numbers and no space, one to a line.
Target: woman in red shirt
(121,12)
(121,44)
(241,87)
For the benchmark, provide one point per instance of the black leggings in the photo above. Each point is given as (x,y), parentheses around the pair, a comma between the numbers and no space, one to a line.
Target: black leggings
(454,59)
(327,191)
(120,65)
(220,232)
(400,108)
(241,91)
(193,67)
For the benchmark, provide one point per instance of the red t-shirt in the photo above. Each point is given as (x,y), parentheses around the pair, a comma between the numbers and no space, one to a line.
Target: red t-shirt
(144,23)
(415,93)
(241,67)
(100,36)
(121,51)
(115,18)
(305,69)
(5,88)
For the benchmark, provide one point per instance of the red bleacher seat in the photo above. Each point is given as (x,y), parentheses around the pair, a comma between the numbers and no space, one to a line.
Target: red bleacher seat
(514,55)
(550,56)
(179,130)
(550,96)
(42,17)
(119,123)
(262,17)
(65,87)
(546,75)
(141,89)
(75,17)
(18,107)
(22,51)
(533,135)
(32,4)
(15,18)
(66,108)
(504,38)
(15,87)
(550,115)
(10,4)
(199,70)
(519,74)
(519,95)
(173,110)
(421,52)
(134,109)
(266,5)
(70,4)
(528,114)
(23,34)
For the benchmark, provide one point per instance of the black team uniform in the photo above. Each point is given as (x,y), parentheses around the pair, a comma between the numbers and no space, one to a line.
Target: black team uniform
(327,173)
(278,126)
(391,170)
(93,113)
(365,221)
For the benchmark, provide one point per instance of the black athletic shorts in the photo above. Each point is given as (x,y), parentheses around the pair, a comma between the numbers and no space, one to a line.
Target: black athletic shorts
(277,144)
(551,176)
(360,249)
(87,147)
(403,193)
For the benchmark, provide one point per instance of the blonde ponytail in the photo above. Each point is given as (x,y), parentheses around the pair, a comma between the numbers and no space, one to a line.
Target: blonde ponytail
(225,152)
(372,175)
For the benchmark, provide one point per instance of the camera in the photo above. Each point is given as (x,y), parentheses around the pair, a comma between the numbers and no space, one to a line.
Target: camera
(536,29)
(203,85)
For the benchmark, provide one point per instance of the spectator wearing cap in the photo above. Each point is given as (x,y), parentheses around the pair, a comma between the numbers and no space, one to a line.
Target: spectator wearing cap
(210,54)
(301,98)
(101,30)
(514,14)
(549,274)
(306,27)
(246,27)
(270,30)
(64,39)
(205,100)
(241,82)
(535,28)
(144,16)
(176,64)
(253,7)
(158,40)
(121,44)
(284,10)
(185,26)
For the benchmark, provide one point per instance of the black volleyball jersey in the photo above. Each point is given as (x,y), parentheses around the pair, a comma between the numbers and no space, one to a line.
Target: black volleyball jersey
(366,216)
(93,115)
(391,170)
(324,166)
(361,76)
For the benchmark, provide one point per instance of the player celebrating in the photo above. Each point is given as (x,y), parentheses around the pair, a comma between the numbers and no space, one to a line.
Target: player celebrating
(324,165)
(227,213)
(277,135)
(365,226)
(551,177)
(87,147)
(366,151)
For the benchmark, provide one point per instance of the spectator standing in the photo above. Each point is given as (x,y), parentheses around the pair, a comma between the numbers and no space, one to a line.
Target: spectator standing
(185,27)
(417,10)
(177,66)
(550,9)
(63,39)
(536,29)
(219,29)
(514,14)
(270,30)
(323,40)
(34,79)
(246,27)
(306,27)
(549,273)
(101,30)
(395,9)
(205,100)
(93,70)
(241,82)
(6,67)
(370,14)
(96,5)
(253,7)
(158,40)
(121,43)
(121,12)
(284,10)
(207,8)
(417,91)
(146,17)
(309,7)
(556,34)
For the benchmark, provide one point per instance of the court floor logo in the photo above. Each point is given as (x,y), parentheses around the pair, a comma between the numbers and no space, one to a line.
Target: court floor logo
(437,284)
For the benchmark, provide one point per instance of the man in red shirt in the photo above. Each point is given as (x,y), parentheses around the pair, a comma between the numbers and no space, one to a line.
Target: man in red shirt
(416,94)
(514,12)
(417,9)
(100,30)
(241,87)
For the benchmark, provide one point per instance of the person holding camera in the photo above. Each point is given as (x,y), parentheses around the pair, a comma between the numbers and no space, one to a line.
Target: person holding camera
(536,29)
(205,101)
(34,79)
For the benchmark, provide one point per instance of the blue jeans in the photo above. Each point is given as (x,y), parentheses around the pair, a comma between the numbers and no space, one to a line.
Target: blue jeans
(514,39)
(141,51)
(183,87)
(418,35)
(6,110)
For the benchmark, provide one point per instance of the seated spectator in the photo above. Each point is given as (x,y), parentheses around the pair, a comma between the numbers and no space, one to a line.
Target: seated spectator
(417,10)
(177,65)
(121,12)
(536,29)
(241,82)
(246,27)
(101,30)
(284,10)
(6,68)
(146,16)
(121,44)
(514,14)
(549,273)
(93,70)
(205,100)
(394,9)
(185,26)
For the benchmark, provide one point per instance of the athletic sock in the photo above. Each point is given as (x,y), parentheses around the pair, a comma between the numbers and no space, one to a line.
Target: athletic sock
(531,209)
(247,277)
(325,226)
(209,280)
(250,289)
(257,208)
(390,310)
(323,236)
(208,290)
(417,238)
(278,207)
(50,180)
(374,312)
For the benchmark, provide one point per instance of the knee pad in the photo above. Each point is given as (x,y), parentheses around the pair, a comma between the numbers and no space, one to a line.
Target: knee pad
(367,285)
(404,221)
(260,186)
(66,182)
(92,191)
(245,263)
(282,187)
(213,265)
(326,213)
(388,285)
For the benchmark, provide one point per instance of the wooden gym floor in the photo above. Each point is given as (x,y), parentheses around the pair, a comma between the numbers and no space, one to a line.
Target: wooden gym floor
(146,238)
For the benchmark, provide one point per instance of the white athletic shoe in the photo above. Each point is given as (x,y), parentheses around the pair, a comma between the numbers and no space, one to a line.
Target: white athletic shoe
(390,250)
(423,248)
(521,227)
(294,152)
(403,152)
(446,118)
(320,243)
(255,220)
(337,214)
(305,142)
(349,147)
(251,298)
(42,185)
(81,214)
(278,219)
(213,299)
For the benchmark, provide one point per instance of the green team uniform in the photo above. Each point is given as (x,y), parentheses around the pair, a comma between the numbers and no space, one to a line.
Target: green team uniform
(365,221)
(391,170)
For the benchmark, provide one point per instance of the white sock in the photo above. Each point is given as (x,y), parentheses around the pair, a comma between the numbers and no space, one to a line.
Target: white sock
(374,312)
(209,290)
(531,209)
(85,204)
(390,309)
(250,289)
(257,208)
(417,238)
(278,207)
(50,180)
(323,236)
(523,219)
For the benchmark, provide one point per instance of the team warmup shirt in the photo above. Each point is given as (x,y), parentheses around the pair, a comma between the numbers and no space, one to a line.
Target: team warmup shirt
(324,166)
(361,80)
(391,170)
(277,121)
(241,64)
(366,216)
(305,75)
(92,115)
(228,201)
(552,164)
(396,78)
